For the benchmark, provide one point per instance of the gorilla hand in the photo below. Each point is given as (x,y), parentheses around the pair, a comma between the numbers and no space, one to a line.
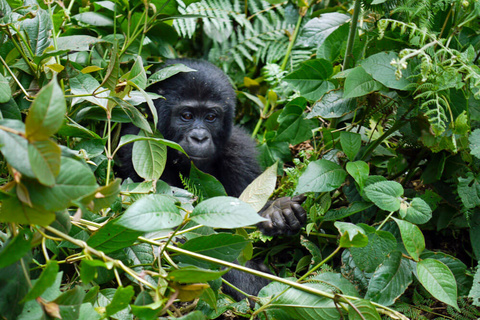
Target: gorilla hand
(285,216)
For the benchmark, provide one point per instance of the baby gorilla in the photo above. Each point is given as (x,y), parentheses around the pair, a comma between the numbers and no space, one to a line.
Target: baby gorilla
(197,113)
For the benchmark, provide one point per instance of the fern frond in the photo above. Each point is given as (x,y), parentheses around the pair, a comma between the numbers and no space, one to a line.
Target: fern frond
(190,187)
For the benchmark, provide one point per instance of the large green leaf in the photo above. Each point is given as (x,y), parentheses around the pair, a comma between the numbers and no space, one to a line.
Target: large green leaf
(207,185)
(332,105)
(222,246)
(192,274)
(380,244)
(74,181)
(359,83)
(38,30)
(151,213)
(385,194)
(167,72)
(379,67)
(469,190)
(225,212)
(311,78)
(257,193)
(112,237)
(18,212)
(321,176)
(412,237)
(46,279)
(44,157)
(351,143)
(15,150)
(149,158)
(438,280)
(390,280)
(46,113)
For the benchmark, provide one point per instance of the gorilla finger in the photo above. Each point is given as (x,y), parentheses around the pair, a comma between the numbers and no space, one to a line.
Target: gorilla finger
(291,219)
(300,212)
(278,220)
(299,198)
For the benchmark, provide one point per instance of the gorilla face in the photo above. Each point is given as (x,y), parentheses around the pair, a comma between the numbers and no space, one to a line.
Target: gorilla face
(197,112)
(198,129)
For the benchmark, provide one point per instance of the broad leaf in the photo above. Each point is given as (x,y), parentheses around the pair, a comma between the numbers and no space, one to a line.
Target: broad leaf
(379,67)
(412,237)
(46,113)
(5,92)
(390,280)
(151,213)
(385,194)
(351,144)
(257,193)
(321,176)
(44,157)
(438,280)
(149,158)
(225,212)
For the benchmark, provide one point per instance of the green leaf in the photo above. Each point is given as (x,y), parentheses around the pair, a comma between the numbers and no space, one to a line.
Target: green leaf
(10,110)
(390,280)
(129,138)
(137,74)
(77,42)
(167,72)
(351,144)
(112,237)
(301,305)
(222,246)
(316,30)
(74,181)
(359,83)
(46,279)
(379,67)
(475,291)
(469,190)
(14,249)
(363,310)
(5,91)
(94,19)
(333,45)
(257,193)
(380,244)
(295,129)
(14,149)
(207,185)
(225,212)
(340,213)
(45,159)
(418,211)
(192,274)
(120,300)
(14,287)
(311,78)
(412,237)
(332,106)
(149,158)
(38,30)
(321,176)
(84,85)
(351,235)
(359,170)
(18,212)
(151,213)
(385,194)
(438,280)
(474,140)
(46,113)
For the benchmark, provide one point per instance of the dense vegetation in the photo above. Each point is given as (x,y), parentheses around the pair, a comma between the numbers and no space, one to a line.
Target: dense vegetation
(369,107)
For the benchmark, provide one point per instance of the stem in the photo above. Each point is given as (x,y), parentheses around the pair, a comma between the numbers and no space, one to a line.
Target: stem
(100,254)
(351,35)
(109,146)
(385,220)
(309,272)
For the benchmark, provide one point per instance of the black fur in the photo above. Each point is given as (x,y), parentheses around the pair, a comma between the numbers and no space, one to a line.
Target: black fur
(197,113)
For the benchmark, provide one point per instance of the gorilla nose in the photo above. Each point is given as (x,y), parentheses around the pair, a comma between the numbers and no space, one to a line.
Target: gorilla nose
(199,136)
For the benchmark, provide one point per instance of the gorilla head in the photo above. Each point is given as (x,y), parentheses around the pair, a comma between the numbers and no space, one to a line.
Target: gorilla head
(197,111)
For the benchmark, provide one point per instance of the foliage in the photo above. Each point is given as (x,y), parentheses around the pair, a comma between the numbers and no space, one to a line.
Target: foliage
(369,107)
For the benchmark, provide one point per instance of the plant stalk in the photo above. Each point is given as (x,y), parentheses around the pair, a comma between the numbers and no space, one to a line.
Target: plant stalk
(351,35)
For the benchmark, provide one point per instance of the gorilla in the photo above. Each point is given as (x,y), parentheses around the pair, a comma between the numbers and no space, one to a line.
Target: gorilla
(197,113)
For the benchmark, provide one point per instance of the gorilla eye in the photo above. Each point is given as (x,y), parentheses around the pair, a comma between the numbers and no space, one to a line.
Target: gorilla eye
(187,116)
(211,117)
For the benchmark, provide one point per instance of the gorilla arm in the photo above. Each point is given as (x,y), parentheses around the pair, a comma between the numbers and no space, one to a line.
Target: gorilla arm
(239,167)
